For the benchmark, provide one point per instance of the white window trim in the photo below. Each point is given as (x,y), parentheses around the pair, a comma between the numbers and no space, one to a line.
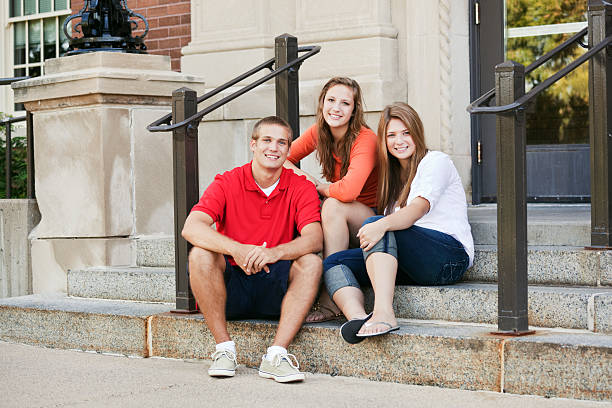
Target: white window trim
(8,55)
(36,16)
(549,29)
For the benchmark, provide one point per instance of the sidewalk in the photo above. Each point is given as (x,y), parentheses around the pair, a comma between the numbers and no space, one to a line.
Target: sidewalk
(38,377)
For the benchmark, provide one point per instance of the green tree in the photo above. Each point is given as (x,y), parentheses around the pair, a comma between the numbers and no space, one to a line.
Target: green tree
(560,114)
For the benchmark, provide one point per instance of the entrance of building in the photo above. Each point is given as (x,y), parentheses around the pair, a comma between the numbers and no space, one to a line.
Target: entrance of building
(558,164)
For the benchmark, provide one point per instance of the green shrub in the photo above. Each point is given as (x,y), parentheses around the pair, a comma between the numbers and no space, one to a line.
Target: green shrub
(19,171)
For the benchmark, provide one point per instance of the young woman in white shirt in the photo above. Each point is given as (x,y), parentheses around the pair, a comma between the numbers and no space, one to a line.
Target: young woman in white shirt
(423,238)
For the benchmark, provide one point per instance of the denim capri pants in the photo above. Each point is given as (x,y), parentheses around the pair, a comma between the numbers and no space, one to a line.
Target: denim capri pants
(424,256)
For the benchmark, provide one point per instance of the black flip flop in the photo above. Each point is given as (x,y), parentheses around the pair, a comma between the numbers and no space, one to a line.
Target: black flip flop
(349,330)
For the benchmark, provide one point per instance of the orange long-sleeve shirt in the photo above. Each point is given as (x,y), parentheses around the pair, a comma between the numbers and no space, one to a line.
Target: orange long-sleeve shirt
(360,181)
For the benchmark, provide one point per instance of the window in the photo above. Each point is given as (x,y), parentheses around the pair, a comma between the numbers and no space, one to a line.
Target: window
(533,28)
(38,34)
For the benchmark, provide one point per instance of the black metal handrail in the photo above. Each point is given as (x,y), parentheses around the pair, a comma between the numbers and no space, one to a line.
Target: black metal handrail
(576,38)
(536,90)
(12,120)
(158,125)
(185,139)
(7,122)
(8,81)
(511,159)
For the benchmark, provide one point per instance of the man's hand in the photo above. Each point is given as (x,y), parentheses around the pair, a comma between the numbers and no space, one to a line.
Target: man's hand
(252,259)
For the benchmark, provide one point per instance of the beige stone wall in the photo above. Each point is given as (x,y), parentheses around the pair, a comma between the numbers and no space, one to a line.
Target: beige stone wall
(17,218)
(414,51)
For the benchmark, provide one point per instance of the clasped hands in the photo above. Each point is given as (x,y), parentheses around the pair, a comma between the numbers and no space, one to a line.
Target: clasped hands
(253,258)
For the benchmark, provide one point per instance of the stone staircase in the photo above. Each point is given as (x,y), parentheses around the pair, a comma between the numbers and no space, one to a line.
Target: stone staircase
(445,337)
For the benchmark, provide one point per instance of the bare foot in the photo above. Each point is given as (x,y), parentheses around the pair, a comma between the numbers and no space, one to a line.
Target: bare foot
(379,323)
(322,314)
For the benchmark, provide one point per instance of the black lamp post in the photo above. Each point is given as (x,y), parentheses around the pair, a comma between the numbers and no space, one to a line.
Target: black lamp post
(106,25)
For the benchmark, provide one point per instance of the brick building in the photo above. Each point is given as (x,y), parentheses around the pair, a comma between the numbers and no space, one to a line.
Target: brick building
(169,25)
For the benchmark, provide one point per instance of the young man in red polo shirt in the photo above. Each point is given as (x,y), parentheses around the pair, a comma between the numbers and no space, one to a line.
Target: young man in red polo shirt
(260,262)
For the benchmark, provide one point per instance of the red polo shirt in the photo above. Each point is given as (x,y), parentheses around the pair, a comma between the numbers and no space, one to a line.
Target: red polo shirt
(244,213)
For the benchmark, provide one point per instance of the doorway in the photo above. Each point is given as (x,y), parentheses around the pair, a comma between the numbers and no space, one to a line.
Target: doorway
(558,167)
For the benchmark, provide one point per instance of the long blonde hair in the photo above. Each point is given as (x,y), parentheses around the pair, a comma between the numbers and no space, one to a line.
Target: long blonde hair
(325,142)
(394,181)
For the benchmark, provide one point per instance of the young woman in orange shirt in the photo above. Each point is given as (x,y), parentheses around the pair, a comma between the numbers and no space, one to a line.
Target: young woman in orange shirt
(346,148)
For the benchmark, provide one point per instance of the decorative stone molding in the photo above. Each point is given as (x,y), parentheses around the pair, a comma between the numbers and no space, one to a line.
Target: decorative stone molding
(446,112)
(212,31)
(315,22)
(103,77)
(358,36)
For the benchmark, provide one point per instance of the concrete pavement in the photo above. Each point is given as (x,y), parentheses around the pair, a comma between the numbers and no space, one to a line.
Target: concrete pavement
(40,377)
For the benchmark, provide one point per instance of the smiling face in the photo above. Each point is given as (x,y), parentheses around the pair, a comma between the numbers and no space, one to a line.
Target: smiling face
(399,142)
(338,107)
(271,147)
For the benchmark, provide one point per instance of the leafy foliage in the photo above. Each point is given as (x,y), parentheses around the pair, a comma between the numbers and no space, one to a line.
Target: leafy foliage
(560,114)
(19,172)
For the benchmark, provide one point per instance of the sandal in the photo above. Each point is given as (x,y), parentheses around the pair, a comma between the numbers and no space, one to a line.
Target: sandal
(323,313)
(350,330)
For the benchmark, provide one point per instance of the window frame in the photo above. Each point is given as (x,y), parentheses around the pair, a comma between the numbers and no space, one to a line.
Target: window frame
(10,24)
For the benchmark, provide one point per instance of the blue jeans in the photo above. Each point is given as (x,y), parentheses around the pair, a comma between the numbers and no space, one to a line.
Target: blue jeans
(424,257)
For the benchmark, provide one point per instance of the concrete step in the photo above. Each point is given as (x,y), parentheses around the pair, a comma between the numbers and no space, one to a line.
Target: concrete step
(549,265)
(147,284)
(155,251)
(549,306)
(75,323)
(587,308)
(465,356)
(547,224)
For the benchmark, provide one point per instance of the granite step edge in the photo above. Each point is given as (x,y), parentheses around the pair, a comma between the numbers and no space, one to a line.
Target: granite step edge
(438,354)
(59,321)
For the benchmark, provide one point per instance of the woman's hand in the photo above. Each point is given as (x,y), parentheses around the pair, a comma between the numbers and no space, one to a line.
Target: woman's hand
(323,189)
(371,233)
(300,172)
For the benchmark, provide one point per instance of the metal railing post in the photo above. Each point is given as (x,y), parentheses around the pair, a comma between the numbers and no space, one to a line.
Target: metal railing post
(600,119)
(511,203)
(8,155)
(287,90)
(186,189)
(31,190)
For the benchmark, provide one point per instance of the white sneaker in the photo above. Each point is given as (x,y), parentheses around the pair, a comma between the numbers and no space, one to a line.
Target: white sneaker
(282,368)
(224,364)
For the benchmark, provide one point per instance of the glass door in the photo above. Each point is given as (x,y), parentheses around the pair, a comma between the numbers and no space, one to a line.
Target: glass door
(558,168)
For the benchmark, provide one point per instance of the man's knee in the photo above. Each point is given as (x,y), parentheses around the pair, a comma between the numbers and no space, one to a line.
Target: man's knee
(203,262)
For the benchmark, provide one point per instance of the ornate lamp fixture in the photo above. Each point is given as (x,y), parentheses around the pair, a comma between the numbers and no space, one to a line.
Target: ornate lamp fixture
(106,26)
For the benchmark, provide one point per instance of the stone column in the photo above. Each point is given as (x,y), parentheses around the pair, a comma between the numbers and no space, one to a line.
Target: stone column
(434,54)
(102,180)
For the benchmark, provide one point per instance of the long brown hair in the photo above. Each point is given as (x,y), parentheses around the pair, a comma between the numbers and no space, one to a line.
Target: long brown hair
(393,181)
(325,142)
